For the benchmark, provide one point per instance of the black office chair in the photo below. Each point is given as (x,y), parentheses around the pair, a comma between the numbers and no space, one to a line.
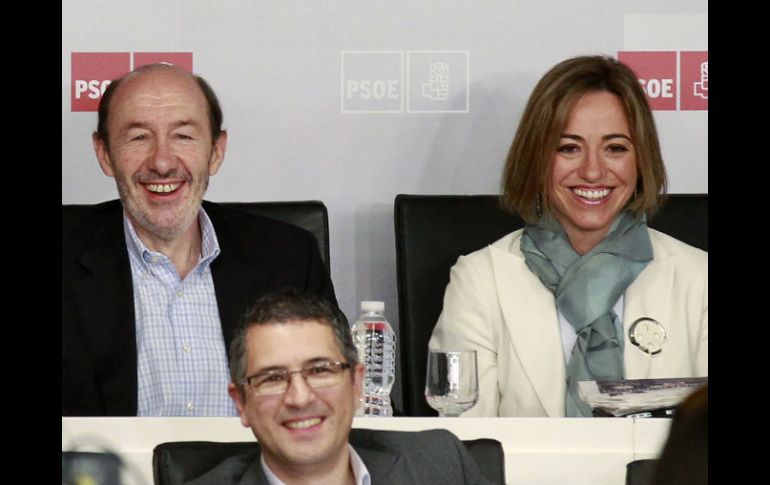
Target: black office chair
(640,472)
(432,231)
(176,462)
(490,458)
(310,215)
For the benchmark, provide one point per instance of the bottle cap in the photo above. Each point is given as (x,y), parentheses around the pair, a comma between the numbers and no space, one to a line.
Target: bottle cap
(372,306)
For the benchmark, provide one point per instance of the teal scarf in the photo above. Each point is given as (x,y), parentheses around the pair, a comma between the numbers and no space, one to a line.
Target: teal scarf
(586,288)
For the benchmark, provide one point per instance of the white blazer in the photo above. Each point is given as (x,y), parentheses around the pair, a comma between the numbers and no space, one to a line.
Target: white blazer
(495,305)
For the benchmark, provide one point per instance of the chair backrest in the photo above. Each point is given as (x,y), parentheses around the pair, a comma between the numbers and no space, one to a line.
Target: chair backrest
(432,231)
(640,472)
(176,462)
(310,215)
(490,458)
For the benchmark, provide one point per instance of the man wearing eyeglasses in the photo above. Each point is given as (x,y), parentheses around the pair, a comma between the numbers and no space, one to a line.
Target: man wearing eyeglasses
(297,381)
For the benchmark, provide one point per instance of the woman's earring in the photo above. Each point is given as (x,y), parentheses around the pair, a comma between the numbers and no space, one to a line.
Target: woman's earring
(539,206)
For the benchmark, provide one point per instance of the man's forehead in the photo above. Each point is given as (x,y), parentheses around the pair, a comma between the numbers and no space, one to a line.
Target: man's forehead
(291,339)
(156,84)
(158,72)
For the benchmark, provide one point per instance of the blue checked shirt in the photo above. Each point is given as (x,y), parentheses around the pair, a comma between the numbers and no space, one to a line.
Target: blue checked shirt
(181,359)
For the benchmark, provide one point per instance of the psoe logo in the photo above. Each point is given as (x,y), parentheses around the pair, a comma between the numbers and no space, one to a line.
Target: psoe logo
(667,87)
(92,72)
(438,82)
(372,81)
(428,82)
(694,67)
(437,87)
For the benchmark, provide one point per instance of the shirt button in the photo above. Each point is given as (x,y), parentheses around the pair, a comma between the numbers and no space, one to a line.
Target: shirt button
(190,407)
(180,293)
(186,347)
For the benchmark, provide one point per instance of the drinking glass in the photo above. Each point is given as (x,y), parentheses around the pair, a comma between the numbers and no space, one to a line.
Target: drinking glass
(452,384)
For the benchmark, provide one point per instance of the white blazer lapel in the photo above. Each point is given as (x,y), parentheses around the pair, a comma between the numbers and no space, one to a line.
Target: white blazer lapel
(648,296)
(530,316)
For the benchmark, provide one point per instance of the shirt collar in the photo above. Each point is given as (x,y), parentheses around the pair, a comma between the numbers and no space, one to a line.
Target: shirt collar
(360,472)
(134,244)
(209,242)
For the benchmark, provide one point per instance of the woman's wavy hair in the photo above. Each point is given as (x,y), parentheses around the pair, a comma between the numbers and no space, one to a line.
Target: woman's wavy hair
(525,179)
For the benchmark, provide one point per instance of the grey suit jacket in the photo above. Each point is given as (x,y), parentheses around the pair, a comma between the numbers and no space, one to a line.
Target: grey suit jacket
(434,457)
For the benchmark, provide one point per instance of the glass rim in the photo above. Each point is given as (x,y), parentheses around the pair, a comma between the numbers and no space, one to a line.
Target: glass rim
(453,351)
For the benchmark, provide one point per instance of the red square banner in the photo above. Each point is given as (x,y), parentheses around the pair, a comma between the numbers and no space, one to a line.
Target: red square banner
(657,75)
(694,71)
(92,72)
(181,59)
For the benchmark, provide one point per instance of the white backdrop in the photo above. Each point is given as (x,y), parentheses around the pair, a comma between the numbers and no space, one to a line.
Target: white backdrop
(277,67)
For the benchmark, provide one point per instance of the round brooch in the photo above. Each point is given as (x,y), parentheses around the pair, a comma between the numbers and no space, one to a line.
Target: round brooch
(647,334)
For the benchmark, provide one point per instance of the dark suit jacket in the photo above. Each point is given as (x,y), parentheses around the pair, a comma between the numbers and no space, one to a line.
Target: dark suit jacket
(435,457)
(99,361)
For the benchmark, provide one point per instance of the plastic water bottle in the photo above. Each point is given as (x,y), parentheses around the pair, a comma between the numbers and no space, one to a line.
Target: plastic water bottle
(376,345)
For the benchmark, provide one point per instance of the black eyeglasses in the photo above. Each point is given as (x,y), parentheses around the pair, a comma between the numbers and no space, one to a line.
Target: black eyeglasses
(317,375)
